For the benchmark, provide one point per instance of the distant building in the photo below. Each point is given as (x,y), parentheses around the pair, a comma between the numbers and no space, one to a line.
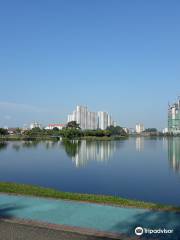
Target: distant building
(174,118)
(12,131)
(35,125)
(150,132)
(90,120)
(165,130)
(25,127)
(139,128)
(102,120)
(126,130)
(85,118)
(114,123)
(57,125)
(132,131)
(105,120)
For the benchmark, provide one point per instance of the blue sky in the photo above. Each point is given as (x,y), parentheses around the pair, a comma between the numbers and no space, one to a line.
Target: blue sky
(111,55)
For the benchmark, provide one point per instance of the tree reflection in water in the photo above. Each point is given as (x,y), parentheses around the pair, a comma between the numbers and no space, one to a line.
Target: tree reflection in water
(71,147)
(3,145)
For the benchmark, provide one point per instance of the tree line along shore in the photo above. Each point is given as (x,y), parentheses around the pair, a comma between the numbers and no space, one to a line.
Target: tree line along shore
(71,131)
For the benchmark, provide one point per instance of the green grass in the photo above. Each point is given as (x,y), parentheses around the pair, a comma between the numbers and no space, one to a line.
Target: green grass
(37,191)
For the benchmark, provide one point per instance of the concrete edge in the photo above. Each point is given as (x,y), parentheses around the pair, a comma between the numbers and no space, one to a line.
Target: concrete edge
(66,228)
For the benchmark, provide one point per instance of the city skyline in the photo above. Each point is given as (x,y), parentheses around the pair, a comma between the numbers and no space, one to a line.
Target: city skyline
(69,117)
(96,116)
(91,120)
(122,57)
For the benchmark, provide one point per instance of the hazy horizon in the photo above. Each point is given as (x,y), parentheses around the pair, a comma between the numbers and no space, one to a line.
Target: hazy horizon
(116,56)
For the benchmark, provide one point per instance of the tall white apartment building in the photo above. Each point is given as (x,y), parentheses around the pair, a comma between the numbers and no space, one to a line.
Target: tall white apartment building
(85,118)
(105,120)
(90,120)
(110,121)
(81,116)
(72,117)
(102,120)
(139,128)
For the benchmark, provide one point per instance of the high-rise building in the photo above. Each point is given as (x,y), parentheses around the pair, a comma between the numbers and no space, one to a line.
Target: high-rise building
(110,121)
(105,120)
(174,118)
(81,116)
(85,118)
(139,128)
(91,120)
(165,130)
(102,120)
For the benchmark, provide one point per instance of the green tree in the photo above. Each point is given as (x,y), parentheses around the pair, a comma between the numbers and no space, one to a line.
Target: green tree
(34,132)
(116,131)
(3,145)
(73,124)
(3,131)
(71,133)
(55,129)
(18,131)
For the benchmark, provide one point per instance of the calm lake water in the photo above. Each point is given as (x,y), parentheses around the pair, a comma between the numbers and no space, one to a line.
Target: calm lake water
(137,168)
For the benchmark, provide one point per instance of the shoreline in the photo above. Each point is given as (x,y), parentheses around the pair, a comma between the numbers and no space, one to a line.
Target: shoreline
(56,138)
(88,138)
(37,191)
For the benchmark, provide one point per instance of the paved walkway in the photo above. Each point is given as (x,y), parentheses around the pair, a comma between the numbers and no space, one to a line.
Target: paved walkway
(15,231)
(89,216)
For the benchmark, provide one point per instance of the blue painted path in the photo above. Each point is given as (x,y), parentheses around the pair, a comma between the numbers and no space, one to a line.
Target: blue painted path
(89,215)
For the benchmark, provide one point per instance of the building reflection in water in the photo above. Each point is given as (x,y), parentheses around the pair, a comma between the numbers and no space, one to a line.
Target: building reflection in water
(174,153)
(139,144)
(84,151)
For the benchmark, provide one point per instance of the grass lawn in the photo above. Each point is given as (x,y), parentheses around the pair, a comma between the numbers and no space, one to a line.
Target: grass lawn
(37,191)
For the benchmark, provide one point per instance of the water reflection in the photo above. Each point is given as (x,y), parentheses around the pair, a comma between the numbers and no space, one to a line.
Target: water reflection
(116,166)
(71,147)
(52,144)
(174,153)
(34,144)
(82,152)
(24,144)
(3,145)
(16,146)
(139,144)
